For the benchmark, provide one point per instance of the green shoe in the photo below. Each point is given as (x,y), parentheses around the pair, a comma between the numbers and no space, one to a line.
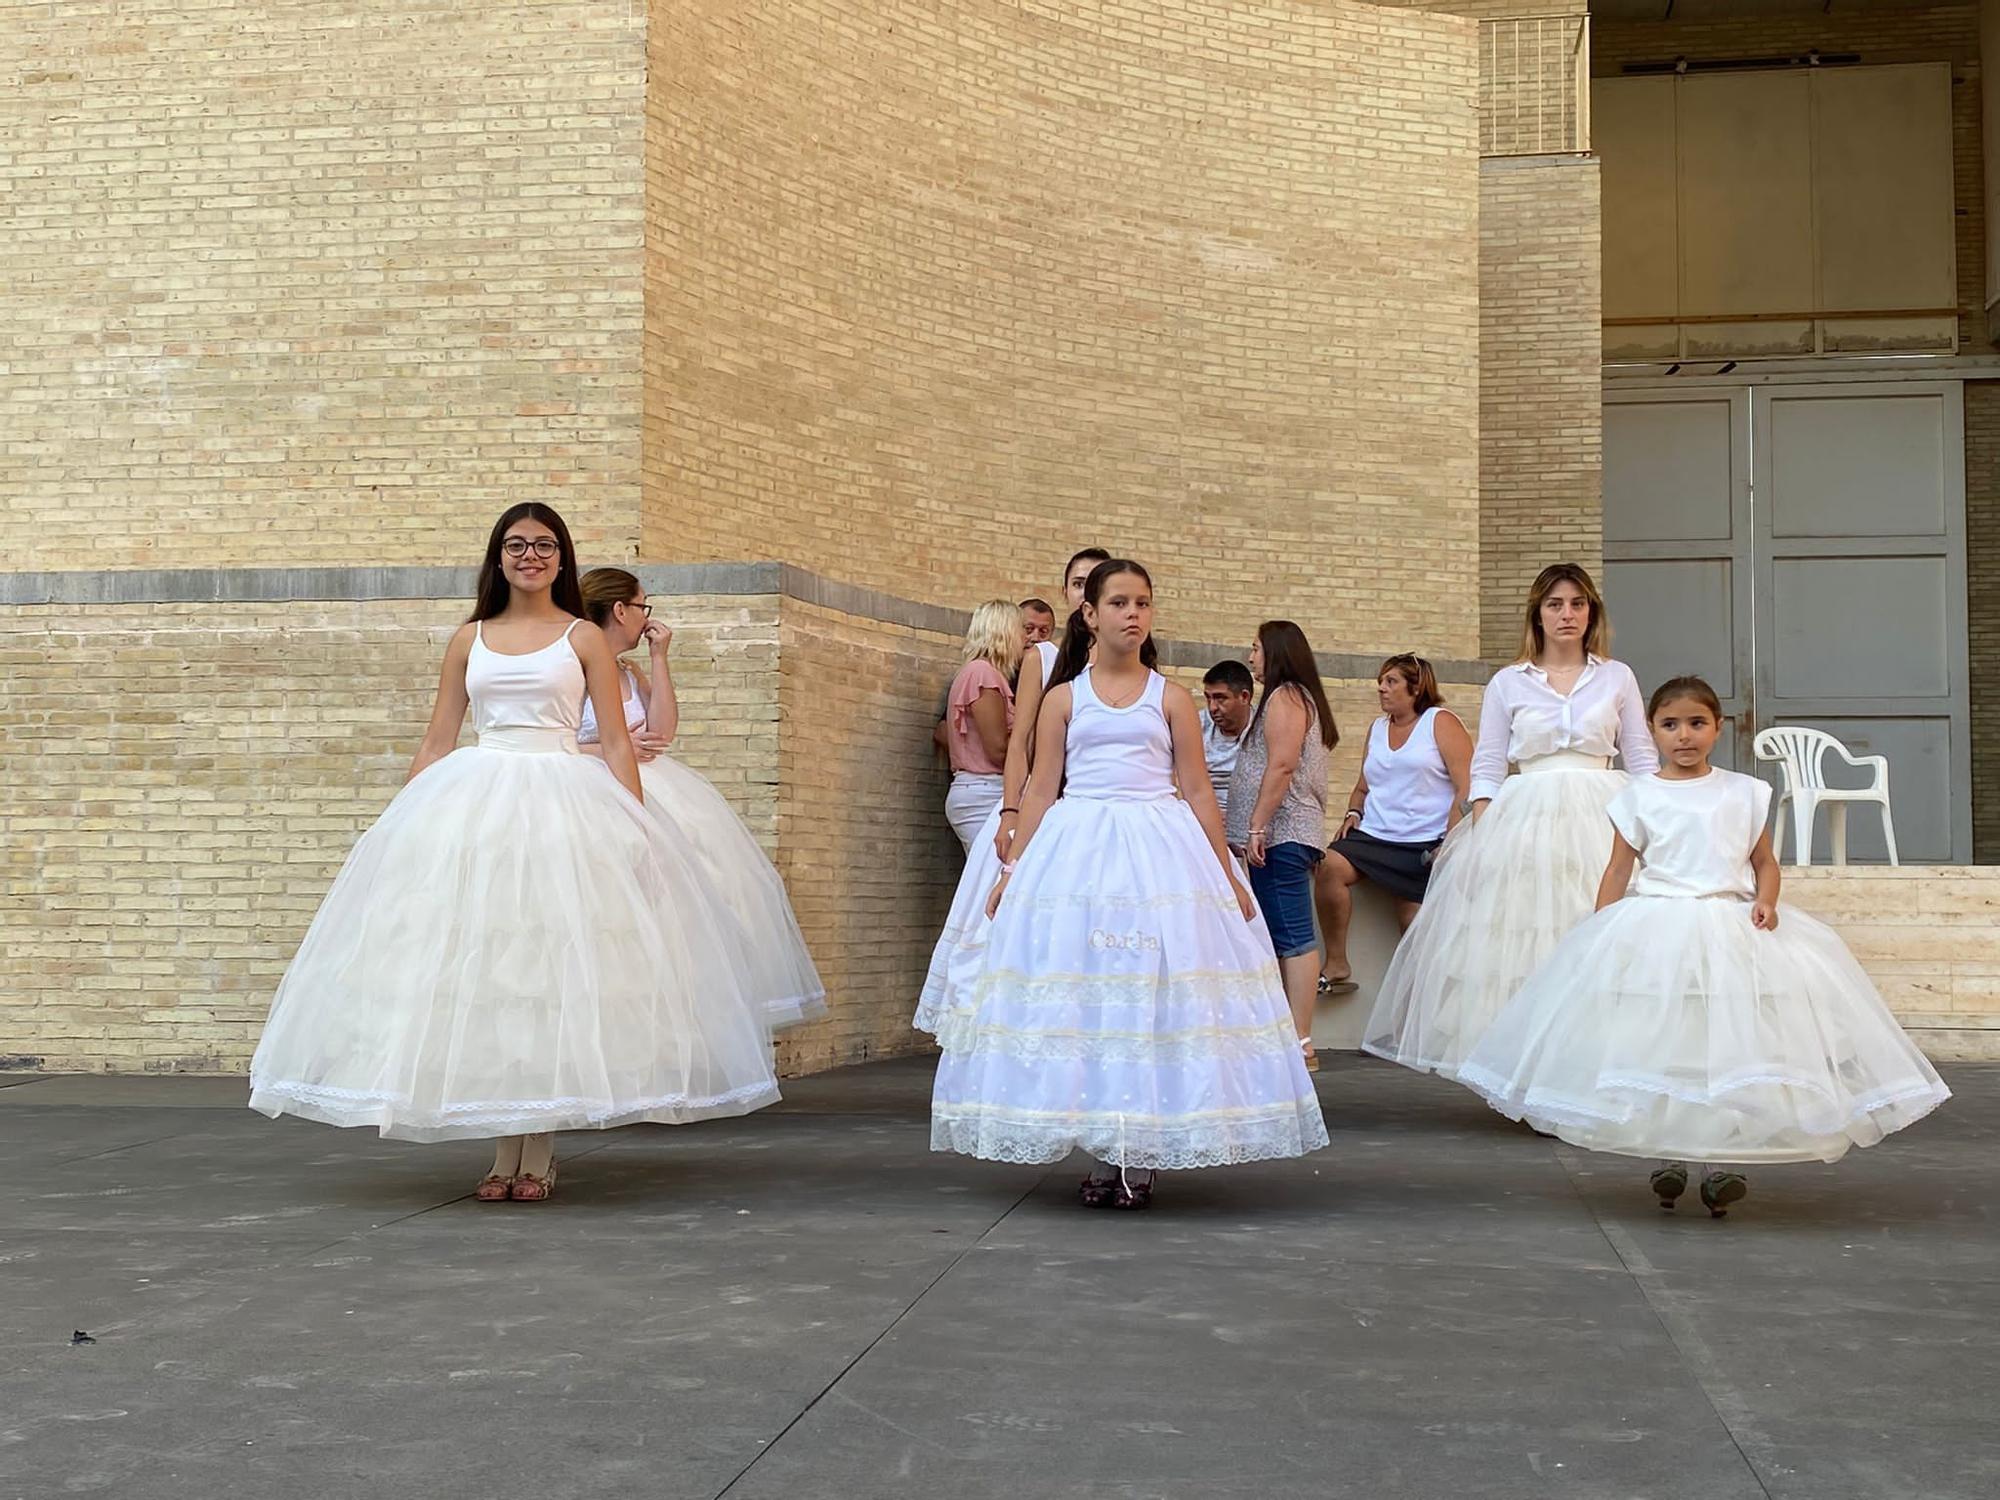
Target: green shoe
(1720,1189)
(1669,1183)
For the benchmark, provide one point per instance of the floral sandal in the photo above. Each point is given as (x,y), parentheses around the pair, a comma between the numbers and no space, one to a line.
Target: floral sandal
(493,1188)
(529,1188)
(1097,1192)
(1130,1194)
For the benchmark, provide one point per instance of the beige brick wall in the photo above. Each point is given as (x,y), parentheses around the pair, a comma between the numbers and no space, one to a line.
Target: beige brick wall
(179,783)
(1541,421)
(931,288)
(330,283)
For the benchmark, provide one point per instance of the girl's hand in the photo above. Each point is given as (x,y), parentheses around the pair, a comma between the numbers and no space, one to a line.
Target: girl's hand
(1764,915)
(1348,823)
(1245,902)
(1477,808)
(647,745)
(658,636)
(993,901)
(1255,850)
(1003,839)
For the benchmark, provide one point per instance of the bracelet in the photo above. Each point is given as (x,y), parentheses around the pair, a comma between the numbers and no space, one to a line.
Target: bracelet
(1353,812)
(1257,833)
(1005,810)
(1006,869)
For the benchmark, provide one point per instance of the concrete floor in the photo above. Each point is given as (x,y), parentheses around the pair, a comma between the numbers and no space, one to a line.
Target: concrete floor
(807,1303)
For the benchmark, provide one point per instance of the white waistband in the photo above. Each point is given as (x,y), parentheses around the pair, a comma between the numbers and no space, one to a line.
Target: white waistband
(530,738)
(1565,760)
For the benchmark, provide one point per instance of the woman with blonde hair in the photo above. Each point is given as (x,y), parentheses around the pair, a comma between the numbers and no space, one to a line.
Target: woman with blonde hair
(979,714)
(1513,878)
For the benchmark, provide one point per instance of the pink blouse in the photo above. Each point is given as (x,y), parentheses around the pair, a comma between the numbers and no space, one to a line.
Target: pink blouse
(968,752)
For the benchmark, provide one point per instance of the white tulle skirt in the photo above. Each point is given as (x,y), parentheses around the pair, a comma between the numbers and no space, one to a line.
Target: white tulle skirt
(1123,1005)
(1670,1028)
(1503,892)
(773,966)
(961,947)
(514,947)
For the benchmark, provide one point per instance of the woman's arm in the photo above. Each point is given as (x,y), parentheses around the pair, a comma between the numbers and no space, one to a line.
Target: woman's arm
(448,710)
(1351,819)
(1020,751)
(1044,783)
(1617,874)
(1635,738)
(1489,757)
(663,705)
(1286,723)
(607,697)
(1191,767)
(1455,750)
(1764,863)
(989,721)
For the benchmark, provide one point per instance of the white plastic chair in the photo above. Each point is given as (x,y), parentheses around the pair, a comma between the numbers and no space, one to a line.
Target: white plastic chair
(1801,756)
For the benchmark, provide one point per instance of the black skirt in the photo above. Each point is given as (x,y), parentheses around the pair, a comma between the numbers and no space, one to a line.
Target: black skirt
(1403,870)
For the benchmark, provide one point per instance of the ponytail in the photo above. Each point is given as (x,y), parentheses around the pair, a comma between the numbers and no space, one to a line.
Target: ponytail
(1075,653)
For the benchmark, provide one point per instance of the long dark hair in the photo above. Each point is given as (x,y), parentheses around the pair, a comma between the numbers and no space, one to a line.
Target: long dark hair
(1288,662)
(1075,653)
(493,589)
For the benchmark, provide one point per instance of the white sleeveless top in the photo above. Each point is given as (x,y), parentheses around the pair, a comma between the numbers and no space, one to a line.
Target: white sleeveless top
(1694,837)
(1048,653)
(635,707)
(1409,790)
(525,702)
(1118,754)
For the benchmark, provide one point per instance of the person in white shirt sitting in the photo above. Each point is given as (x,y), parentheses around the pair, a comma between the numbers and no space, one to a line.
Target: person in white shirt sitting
(1229,693)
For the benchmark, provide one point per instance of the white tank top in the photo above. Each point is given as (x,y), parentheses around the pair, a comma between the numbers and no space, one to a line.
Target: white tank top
(525,702)
(1409,790)
(635,707)
(1047,651)
(1124,754)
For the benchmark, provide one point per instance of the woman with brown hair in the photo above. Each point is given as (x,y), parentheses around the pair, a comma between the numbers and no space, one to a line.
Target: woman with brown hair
(1416,775)
(1513,878)
(1276,810)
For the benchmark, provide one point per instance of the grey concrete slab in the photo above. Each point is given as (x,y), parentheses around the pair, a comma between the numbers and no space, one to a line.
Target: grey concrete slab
(1442,1304)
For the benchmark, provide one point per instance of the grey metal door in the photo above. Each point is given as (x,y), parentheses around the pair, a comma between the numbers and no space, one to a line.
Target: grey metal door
(1802,546)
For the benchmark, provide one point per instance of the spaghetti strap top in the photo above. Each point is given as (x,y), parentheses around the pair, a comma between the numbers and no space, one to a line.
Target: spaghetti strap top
(531,701)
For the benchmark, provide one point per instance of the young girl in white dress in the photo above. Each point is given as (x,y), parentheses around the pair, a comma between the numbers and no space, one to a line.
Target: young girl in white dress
(961,947)
(515,947)
(1513,878)
(1128,1002)
(1693,1017)
(773,966)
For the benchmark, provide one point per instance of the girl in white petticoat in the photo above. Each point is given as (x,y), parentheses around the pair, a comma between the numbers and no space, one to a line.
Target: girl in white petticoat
(1128,1001)
(1694,1018)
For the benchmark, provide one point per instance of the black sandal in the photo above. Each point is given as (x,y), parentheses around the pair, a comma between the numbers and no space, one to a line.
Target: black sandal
(1134,1195)
(1669,1183)
(1720,1189)
(1097,1192)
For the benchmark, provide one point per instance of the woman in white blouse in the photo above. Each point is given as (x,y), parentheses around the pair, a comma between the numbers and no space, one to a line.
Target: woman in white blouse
(1516,875)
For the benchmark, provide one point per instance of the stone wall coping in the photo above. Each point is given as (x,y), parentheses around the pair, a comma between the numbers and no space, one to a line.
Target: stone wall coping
(125,586)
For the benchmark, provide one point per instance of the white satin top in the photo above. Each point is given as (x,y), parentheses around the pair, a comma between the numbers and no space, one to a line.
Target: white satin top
(1522,718)
(1694,837)
(525,702)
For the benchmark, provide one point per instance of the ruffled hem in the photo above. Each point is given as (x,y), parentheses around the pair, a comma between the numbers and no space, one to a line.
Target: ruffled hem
(1222,1139)
(1009,1002)
(394,1117)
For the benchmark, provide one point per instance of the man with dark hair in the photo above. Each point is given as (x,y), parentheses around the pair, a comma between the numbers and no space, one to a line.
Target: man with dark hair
(1227,690)
(1038,619)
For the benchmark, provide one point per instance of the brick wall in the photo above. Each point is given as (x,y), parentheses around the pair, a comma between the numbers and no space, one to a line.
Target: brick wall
(329,283)
(179,783)
(931,289)
(1541,422)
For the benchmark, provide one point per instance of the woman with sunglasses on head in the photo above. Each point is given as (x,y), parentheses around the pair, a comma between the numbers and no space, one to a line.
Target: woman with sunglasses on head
(506,952)
(773,965)
(1415,774)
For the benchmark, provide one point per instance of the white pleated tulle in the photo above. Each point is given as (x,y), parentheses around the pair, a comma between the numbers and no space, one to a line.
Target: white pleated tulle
(773,967)
(1504,891)
(514,947)
(961,947)
(1670,1028)
(1123,1005)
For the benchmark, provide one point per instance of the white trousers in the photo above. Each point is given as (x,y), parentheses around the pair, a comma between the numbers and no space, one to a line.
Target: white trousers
(971,798)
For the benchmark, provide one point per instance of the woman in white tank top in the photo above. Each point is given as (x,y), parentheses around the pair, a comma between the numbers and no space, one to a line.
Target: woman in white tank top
(1412,785)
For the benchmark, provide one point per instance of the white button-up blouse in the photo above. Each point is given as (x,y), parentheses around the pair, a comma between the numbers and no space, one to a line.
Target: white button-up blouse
(1522,718)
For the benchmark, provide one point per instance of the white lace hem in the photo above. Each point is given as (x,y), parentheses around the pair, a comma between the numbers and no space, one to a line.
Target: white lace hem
(1194,1044)
(1220,1139)
(394,1116)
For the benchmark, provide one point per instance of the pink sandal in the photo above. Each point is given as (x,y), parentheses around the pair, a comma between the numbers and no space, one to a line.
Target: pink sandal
(493,1188)
(529,1188)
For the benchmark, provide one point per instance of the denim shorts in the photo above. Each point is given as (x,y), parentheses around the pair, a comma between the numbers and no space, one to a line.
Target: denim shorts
(1283,886)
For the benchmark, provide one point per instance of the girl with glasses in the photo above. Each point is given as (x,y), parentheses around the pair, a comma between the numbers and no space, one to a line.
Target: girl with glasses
(506,951)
